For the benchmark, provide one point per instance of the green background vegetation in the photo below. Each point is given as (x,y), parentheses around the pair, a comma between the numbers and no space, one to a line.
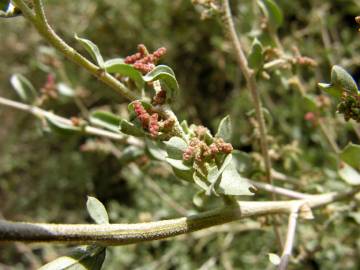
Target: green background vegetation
(46,178)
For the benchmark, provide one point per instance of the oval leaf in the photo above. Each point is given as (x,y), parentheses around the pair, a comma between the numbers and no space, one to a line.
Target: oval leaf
(175,147)
(97,211)
(126,70)
(60,127)
(106,120)
(178,164)
(129,128)
(341,78)
(256,57)
(23,88)
(85,258)
(349,175)
(93,50)
(225,129)
(156,149)
(167,79)
(273,12)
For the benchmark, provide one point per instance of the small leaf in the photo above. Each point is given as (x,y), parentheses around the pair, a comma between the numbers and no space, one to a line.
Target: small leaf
(167,79)
(183,175)
(65,90)
(332,90)
(60,127)
(232,183)
(156,149)
(93,50)
(351,155)
(97,211)
(349,174)
(256,57)
(200,182)
(84,258)
(106,120)
(274,258)
(8,10)
(23,88)
(118,66)
(341,78)
(225,129)
(178,164)
(175,147)
(273,12)
(199,199)
(129,128)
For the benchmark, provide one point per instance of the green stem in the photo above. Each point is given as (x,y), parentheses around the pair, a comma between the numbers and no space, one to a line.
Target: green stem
(40,23)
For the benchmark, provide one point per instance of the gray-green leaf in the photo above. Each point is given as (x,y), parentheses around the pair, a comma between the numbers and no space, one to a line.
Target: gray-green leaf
(225,129)
(118,66)
(175,147)
(60,127)
(273,12)
(93,50)
(129,128)
(349,175)
(97,210)
(106,120)
(84,258)
(342,79)
(23,88)
(351,155)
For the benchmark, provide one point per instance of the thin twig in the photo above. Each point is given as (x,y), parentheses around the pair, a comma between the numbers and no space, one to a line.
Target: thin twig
(327,134)
(252,85)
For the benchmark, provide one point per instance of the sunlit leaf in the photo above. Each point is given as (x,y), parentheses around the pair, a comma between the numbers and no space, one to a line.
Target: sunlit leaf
(126,70)
(274,258)
(349,174)
(85,258)
(97,210)
(342,79)
(156,149)
(175,147)
(60,127)
(225,129)
(167,79)
(93,50)
(23,88)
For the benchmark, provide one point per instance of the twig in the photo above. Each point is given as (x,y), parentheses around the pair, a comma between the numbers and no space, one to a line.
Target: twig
(40,23)
(36,111)
(280,191)
(328,136)
(252,85)
(122,234)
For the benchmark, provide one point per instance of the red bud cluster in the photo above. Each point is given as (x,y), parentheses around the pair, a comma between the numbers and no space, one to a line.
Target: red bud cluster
(143,61)
(148,122)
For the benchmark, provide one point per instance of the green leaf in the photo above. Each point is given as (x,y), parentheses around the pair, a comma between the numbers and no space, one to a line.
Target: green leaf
(349,174)
(65,90)
(342,79)
(4,5)
(106,120)
(8,10)
(97,211)
(93,50)
(232,183)
(118,66)
(332,90)
(23,88)
(274,258)
(225,129)
(273,12)
(129,128)
(183,175)
(310,103)
(199,199)
(351,155)
(243,161)
(60,127)
(156,149)
(175,147)
(167,79)
(84,258)
(256,57)
(200,182)
(178,164)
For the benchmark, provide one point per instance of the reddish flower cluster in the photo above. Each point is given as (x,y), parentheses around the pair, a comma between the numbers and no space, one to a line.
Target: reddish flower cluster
(148,122)
(200,151)
(143,61)
(49,88)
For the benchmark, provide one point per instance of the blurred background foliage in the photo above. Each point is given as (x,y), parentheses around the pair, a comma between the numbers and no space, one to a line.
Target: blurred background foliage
(46,178)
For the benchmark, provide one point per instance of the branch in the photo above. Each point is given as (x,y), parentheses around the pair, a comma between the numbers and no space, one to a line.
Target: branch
(123,234)
(36,111)
(40,23)
(252,85)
